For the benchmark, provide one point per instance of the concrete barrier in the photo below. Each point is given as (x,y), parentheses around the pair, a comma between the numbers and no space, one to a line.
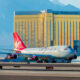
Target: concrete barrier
(47,65)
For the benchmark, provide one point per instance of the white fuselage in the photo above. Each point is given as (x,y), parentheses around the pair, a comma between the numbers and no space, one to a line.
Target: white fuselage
(56,51)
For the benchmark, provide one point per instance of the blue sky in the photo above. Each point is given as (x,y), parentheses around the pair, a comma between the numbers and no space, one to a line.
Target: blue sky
(8,7)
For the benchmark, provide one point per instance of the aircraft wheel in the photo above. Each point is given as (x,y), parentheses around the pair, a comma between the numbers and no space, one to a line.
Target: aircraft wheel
(42,61)
(45,61)
(75,57)
(53,61)
(15,56)
(39,61)
(68,61)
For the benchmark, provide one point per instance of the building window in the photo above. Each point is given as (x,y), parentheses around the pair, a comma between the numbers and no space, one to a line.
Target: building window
(28,33)
(73,30)
(37,33)
(70,33)
(50,30)
(61,32)
(64,32)
(22,31)
(58,32)
(46,33)
(31,33)
(67,32)
(25,32)
(19,28)
(79,30)
(55,33)
(51,43)
(76,30)
(34,33)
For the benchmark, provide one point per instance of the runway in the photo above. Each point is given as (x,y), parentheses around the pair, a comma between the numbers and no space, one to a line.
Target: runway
(36,78)
(40,73)
(23,73)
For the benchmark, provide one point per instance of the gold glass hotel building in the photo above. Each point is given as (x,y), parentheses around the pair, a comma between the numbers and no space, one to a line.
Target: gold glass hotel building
(47,28)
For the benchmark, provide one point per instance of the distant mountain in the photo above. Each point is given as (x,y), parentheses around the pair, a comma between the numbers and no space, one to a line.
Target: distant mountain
(65,8)
(46,4)
(70,8)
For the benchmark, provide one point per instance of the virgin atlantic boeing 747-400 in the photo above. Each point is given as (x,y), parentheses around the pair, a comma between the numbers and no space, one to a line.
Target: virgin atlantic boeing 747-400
(53,52)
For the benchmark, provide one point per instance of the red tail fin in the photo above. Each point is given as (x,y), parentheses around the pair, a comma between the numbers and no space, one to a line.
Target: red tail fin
(18,44)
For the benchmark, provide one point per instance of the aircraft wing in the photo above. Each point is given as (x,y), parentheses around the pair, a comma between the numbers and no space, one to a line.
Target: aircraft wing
(39,55)
(10,50)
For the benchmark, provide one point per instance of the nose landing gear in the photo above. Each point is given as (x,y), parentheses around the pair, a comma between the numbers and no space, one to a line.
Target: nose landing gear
(69,60)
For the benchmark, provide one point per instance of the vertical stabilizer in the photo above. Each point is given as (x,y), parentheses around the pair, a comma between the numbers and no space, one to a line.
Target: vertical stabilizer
(18,44)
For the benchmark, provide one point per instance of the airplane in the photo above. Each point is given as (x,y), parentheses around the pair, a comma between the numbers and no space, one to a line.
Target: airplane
(53,52)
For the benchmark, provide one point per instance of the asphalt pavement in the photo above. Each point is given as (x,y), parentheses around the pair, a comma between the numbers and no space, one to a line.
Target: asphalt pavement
(36,78)
(39,73)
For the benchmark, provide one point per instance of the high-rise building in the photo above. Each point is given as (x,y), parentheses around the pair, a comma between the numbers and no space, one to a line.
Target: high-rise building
(47,28)
(34,28)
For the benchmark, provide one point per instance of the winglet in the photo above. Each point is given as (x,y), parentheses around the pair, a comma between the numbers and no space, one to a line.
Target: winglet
(18,44)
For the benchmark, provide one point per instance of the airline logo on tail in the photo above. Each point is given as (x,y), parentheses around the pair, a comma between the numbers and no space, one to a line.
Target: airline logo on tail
(18,44)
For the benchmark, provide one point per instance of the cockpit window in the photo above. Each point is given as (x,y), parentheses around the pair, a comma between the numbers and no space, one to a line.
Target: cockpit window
(69,47)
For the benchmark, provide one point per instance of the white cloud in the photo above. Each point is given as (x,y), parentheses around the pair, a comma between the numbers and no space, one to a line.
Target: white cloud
(51,0)
(75,3)
(72,2)
(56,2)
